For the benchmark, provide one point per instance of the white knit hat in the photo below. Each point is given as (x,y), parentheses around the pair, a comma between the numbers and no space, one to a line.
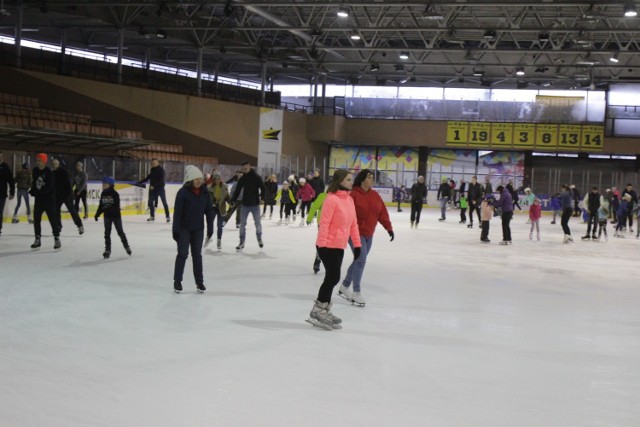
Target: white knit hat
(302,180)
(191,172)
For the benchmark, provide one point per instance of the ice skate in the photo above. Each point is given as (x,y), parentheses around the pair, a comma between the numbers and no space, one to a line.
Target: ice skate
(260,243)
(270,215)
(345,293)
(127,250)
(462,222)
(294,217)
(219,244)
(240,247)
(587,237)
(106,254)
(168,219)
(263,216)
(594,237)
(566,239)
(412,224)
(150,219)
(538,236)
(207,241)
(81,230)
(416,226)
(335,320)
(15,220)
(470,225)
(442,219)
(553,222)
(485,240)
(36,244)
(200,288)
(504,243)
(280,222)
(30,219)
(301,222)
(177,286)
(531,236)
(357,299)
(56,245)
(286,221)
(319,316)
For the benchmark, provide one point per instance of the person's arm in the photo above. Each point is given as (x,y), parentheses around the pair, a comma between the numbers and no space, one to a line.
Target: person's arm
(100,209)
(328,211)
(208,211)
(262,188)
(315,206)
(177,214)
(292,197)
(439,192)
(83,185)
(236,191)
(146,179)
(354,231)
(12,185)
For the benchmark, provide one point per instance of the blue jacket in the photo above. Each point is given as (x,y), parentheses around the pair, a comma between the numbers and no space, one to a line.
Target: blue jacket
(555,204)
(506,201)
(566,199)
(623,209)
(190,209)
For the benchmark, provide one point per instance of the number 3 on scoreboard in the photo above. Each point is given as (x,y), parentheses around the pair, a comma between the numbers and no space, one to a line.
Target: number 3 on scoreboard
(524,137)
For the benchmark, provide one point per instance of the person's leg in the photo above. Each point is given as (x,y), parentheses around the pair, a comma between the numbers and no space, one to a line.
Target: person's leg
(165,205)
(239,210)
(414,209)
(74,214)
(83,197)
(57,216)
(244,213)
(196,239)
(54,217)
(76,202)
(463,215)
(477,209)
(332,261)
(255,211)
(348,278)
(281,209)
(38,209)
(26,202)
(564,221)
(108,222)
(443,207)
(183,252)
(153,201)
(3,200)
(508,216)
(358,269)
(216,213)
(117,222)
(418,211)
(484,235)
(18,203)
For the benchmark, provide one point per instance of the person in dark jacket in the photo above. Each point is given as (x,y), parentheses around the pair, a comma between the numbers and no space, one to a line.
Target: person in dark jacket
(575,195)
(506,206)
(252,188)
(80,188)
(444,194)
(271,189)
(156,189)
(634,201)
(23,184)
(593,204)
(193,203)
(418,195)
(317,183)
(6,181)
(64,195)
(43,191)
(110,207)
(474,198)
(566,203)
(514,196)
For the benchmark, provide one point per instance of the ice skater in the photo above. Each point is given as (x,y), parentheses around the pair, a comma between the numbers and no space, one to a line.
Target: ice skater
(23,184)
(535,213)
(474,199)
(192,205)
(43,192)
(505,204)
(271,189)
(64,196)
(418,196)
(338,224)
(623,212)
(287,202)
(156,180)
(219,197)
(566,203)
(464,204)
(305,194)
(110,207)
(634,201)
(370,209)
(487,210)
(252,188)
(6,181)
(443,196)
(80,180)
(592,205)
(603,215)
(555,207)
(529,197)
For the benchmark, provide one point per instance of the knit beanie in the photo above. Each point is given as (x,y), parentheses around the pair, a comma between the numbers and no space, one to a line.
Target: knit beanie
(191,172)
(43,157)
(302,181)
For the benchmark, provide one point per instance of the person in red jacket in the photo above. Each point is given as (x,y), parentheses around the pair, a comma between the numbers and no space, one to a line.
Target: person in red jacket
(305,194)
(338,224)
(535,212)
(370,210)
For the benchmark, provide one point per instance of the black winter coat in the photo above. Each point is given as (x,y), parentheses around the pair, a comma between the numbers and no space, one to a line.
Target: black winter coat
(444,190)
(253,189)
(42,186)
(62,184)
(6,180)
(418,192)
(189,210)
(109,203)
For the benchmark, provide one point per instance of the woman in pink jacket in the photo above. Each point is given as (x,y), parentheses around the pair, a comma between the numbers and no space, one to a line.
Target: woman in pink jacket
(338,223)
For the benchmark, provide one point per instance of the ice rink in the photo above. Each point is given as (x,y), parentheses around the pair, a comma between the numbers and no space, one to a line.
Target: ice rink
(455,332)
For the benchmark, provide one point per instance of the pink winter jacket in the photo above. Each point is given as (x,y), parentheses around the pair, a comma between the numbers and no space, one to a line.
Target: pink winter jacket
(338,222)
(306,193)
(535,212)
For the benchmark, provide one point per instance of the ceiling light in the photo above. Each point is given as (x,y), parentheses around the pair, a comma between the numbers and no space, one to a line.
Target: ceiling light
(161,34)
(355,36)
(630,10)
(520,71)
(375,67)
(343,12)
(543,37)
(431,15)
(404,55)
(478,73)
(403,81)
(490,35)
(614,59)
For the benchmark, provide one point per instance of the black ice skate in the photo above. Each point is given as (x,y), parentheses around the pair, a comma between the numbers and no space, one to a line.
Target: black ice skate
(128,250)
(200,287)
(106,254)
(177,286)
(240,247)
(36,244)
(57,245)
(260,243)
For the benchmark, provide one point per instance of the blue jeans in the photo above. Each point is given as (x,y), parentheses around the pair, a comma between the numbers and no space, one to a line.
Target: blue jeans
(255,211)
(153,201)
(443,207)
(23,193)
(194,240)
(217,214)
(356,269)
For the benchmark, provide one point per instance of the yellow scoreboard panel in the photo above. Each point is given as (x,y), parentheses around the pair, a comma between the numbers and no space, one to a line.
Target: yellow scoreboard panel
(526,135)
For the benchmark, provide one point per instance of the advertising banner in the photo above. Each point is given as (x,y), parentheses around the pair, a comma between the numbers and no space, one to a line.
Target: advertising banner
(270,139)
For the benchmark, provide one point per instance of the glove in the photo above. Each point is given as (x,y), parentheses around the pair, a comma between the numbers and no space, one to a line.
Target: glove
(308,222)
(393,236)
(176,236)
(356,253)
(96,217)
(207,241)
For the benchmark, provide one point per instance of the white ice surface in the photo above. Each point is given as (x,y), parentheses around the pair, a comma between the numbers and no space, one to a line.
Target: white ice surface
(455,333)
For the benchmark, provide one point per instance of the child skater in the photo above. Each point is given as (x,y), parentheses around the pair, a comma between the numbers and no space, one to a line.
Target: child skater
(305,194)
(555,206)
(603,214)
(486,209)
(535,212)
(463,208)
(287,202)
(623,212)
(110,206)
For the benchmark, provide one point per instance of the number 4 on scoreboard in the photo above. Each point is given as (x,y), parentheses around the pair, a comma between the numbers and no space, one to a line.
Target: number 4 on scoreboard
(592,137)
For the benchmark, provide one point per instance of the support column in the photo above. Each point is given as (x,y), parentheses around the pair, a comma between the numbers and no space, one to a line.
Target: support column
(324,93)
(63,49)
(120,49)
(199,64)
(263,84)
(18,38)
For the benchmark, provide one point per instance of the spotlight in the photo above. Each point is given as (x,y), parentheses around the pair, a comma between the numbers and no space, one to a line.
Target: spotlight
(520,71)
(490,35)
(403,81)
(543,37)
(355,36)
(614,59)
(630,10)
(478,73)
(161,34)
(343,12)
(375,67)
(404,56)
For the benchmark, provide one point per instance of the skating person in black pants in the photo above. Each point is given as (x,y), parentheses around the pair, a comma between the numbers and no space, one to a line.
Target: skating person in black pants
(566,202)
(193,203)
(6,180)
(156,189)
(474,197)
(43,191)
(271,189)
(64,195)
(418,195)
(80,188)
(337,223)
(634,201)
(110,206)
(506,205)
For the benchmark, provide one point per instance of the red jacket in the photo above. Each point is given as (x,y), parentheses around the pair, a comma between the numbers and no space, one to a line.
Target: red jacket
(306,193)
(370,210)
(535,212)
(338,222)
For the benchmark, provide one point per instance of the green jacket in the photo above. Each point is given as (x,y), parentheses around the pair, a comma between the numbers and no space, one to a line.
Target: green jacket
(316,206)
(23,179)
(221,202)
